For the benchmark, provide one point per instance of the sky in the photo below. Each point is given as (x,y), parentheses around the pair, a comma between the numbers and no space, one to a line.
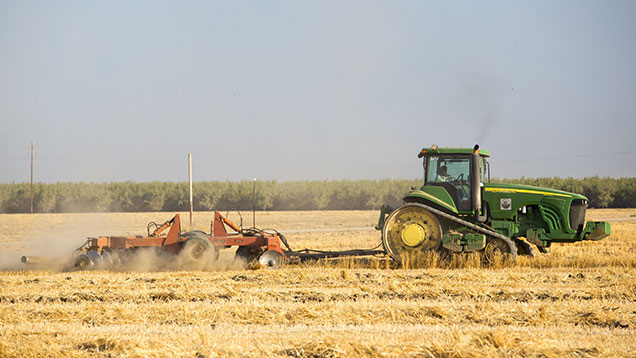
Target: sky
(314,90)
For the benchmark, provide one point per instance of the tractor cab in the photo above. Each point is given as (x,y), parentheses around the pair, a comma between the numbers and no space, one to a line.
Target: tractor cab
(452,172)
(451,169)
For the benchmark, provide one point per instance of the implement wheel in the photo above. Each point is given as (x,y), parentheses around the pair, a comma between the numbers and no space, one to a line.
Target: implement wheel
(409,230)
(197,251)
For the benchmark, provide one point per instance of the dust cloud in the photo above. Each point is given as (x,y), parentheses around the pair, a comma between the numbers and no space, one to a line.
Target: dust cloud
(61,256)
(53,240)
(54,252)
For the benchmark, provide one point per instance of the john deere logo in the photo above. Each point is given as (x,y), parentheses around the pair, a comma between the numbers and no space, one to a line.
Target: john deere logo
(505,203)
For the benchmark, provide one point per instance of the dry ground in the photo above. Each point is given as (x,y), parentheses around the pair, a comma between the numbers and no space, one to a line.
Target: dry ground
(577,301)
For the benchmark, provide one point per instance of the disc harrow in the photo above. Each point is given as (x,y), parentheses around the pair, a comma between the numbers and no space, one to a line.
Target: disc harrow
(193,249)
(186,249)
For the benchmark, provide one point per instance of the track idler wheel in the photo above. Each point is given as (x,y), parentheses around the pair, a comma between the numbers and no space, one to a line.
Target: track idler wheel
(272,259)
(411,230)
(497,248)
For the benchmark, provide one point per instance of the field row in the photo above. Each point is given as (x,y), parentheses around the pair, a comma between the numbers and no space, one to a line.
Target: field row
(507,308)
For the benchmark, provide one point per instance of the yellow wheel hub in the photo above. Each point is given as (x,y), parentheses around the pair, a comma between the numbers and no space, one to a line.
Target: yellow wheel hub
(413,235)
(411,230)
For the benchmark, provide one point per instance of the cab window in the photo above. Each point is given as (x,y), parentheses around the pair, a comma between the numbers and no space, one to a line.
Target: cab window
(452,172)
(446,169)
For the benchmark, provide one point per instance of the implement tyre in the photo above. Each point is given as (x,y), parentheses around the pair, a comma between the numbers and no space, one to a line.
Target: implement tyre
(197,251)
(411,230)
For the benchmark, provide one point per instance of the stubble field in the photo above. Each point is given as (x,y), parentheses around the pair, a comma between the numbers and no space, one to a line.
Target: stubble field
(579,300)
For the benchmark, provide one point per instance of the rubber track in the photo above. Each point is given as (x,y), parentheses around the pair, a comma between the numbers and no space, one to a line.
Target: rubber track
(488,232)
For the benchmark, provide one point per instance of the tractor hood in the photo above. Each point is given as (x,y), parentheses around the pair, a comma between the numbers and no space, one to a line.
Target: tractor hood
(528,189)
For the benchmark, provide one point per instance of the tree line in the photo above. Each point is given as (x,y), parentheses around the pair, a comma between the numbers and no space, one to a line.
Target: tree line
(267,195)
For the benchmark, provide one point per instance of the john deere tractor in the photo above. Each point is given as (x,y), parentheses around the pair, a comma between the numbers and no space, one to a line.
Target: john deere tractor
(458,209)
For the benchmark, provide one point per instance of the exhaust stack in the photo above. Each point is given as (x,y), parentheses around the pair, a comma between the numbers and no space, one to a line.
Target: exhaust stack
(475,186)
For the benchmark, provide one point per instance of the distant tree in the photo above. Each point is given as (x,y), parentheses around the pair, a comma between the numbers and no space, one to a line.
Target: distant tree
(18,198)
(153,197)
(625,193)
(44,198)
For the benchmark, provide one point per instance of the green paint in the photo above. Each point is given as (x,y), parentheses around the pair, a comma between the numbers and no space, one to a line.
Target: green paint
(452,241)
(463,242)
(436,195)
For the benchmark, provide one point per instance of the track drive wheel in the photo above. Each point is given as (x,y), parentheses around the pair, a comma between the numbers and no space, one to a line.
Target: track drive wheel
(197,251)
(409,230)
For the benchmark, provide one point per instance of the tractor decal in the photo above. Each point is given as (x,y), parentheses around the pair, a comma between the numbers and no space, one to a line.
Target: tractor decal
(525,191)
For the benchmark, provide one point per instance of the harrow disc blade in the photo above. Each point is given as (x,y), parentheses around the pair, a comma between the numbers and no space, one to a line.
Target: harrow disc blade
(271,259)
(95,258)
(82,261)
(116,259)
(107,259)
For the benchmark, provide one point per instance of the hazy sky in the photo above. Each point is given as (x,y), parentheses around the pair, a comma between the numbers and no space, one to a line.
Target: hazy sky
(292,90)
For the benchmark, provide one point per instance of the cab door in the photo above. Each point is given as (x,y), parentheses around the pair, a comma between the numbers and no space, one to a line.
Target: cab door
(452,172)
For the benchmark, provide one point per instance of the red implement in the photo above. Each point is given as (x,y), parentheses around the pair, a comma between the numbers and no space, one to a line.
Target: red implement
(252,243)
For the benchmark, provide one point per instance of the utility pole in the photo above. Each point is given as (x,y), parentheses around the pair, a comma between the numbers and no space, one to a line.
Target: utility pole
(254,204)
(190,176)
(32,144)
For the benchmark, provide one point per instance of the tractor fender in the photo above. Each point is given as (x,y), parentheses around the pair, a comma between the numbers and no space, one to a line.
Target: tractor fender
(435,196)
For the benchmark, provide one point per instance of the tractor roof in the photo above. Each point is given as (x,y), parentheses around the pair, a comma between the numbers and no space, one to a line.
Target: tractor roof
(436,150)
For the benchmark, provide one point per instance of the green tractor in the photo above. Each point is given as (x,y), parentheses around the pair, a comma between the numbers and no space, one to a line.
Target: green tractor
(458,209)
